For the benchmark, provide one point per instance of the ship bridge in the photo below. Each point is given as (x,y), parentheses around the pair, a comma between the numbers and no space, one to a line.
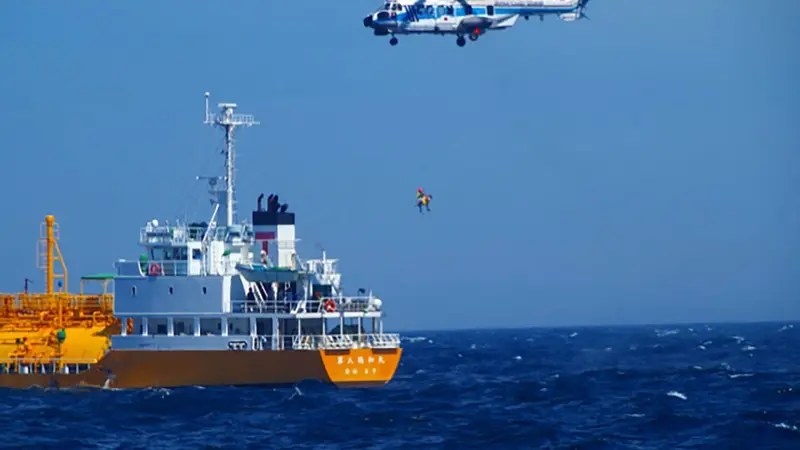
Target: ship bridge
(194,249)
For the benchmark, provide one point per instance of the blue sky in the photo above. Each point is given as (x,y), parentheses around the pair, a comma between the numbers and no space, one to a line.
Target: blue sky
(642,166)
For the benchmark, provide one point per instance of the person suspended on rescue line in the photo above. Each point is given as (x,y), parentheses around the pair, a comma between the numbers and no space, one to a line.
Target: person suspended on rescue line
(423,199)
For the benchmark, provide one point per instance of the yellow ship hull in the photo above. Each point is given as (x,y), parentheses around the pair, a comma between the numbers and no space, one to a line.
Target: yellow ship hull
(132,369)
(58,339)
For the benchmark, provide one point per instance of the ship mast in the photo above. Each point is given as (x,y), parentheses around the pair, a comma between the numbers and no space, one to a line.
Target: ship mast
(228,121)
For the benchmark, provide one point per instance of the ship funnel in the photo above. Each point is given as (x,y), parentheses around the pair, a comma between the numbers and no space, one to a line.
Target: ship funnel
(275,233)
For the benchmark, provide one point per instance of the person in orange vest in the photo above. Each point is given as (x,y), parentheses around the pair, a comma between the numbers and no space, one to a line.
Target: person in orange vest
(423,199)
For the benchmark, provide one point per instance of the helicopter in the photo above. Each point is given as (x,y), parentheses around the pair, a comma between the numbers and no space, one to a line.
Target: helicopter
(462,18)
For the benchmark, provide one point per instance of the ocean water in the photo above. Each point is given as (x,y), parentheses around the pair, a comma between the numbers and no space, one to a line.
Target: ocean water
(664,387)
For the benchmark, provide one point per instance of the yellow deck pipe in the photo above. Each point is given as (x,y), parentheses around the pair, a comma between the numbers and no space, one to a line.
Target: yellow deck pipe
(49,221)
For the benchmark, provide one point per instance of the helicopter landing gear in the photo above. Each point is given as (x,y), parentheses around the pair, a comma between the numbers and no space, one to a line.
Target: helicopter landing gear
(461,41)
(393,41)
(474,37)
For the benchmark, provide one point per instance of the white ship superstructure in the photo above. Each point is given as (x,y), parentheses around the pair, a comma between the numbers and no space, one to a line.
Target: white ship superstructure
(220,286)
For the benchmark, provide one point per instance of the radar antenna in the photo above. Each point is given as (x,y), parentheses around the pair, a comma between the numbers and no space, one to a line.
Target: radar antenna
(228,121)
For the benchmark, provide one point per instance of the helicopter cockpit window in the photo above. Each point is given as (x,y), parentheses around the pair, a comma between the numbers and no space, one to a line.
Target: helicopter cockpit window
(386,6)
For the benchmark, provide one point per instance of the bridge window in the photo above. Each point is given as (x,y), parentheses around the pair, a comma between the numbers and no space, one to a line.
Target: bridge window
(156,326)
(160,254)
(210,327)
(440,10)
(263,327)
(239,326)
(169,253)
(490,10)
(449,10)
(183,326)
(180,253)
(429,10)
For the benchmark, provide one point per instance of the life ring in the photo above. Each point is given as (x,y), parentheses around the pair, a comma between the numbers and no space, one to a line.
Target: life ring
(330,305)
(155,270)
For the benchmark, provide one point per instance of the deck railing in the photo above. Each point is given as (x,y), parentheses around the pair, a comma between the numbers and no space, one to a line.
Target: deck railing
(177,235)
(333,305)
(172,267)
(27,366)
(15,305)
(144,268)
(345,341)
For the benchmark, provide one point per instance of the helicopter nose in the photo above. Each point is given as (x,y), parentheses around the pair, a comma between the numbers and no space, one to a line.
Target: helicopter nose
(368,21)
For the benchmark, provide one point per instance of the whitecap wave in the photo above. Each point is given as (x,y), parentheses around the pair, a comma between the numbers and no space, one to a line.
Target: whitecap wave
(676,394)
(786,426)
(662,333)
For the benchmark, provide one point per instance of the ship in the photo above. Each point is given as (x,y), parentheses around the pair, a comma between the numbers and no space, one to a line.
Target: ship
(216,303)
